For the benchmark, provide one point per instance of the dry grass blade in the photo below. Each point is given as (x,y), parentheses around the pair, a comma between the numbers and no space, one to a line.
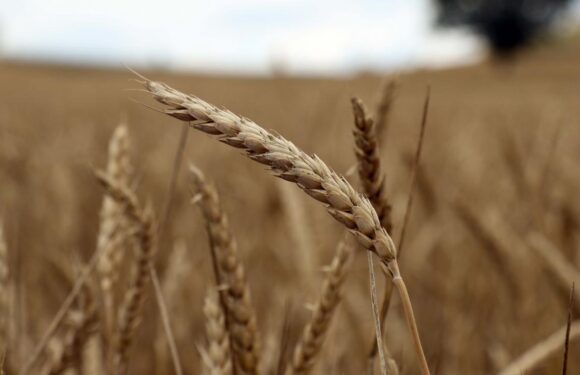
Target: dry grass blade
(240,316)
(561,269)
(315,331)
(413,182)
(163,310)
(567,337)
(219,356)
(541,351)
(288,162)
(135,296)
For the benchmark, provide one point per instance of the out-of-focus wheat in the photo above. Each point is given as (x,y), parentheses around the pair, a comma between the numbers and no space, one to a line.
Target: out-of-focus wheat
(314,333)
(219,356)
(143,219)
(384,107)
(542,350)
(240,316)
(113,236)
(82,324)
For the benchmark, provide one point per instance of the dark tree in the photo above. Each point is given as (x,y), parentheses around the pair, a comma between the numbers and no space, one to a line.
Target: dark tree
(507,25)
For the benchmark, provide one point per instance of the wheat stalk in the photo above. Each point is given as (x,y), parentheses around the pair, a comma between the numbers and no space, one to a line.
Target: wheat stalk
(134,298)
(288,162)
(219,356)
(372,180)
(241,319)
(314,333)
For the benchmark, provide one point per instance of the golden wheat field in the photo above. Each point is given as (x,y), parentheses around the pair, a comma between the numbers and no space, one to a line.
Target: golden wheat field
(491,248)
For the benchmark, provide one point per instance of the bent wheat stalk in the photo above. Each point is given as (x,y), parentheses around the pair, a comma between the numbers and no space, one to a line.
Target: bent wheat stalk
(290,163)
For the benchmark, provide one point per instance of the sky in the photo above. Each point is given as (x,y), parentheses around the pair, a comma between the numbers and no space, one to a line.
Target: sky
(237,36)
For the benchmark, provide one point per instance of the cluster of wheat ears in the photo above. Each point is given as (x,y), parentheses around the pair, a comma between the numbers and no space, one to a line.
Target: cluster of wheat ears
(94,336)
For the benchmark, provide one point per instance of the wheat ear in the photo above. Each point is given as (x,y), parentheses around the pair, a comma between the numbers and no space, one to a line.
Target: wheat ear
(314,333)
(131,307)
(288,162)
(112,235)
(241,319)
(369,163)
(219,356)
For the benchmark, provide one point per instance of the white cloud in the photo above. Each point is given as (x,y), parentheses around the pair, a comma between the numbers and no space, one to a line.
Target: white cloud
(322,36)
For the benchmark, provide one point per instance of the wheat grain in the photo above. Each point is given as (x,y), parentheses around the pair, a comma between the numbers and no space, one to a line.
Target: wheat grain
(241,319)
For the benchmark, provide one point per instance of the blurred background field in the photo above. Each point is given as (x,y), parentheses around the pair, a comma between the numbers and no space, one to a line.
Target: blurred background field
(499,163)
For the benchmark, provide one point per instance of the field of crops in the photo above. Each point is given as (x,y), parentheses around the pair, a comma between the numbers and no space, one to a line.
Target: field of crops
(491,246)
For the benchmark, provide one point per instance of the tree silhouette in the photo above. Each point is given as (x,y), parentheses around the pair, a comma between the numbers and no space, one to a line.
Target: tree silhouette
(507,25)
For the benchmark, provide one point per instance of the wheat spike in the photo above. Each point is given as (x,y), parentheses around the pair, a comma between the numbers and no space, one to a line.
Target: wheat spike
(112,235)
(369,163)
(219,355)
(314,333)
(131,307)
(286,161)
(241,319)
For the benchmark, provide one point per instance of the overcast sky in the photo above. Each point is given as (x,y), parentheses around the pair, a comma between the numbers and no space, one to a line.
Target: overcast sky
(252,36)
